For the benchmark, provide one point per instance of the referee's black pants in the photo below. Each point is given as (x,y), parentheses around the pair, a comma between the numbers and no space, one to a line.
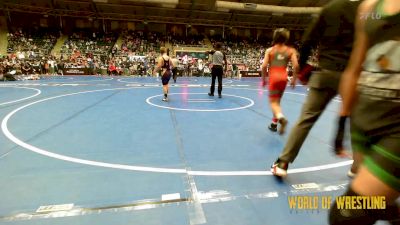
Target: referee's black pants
(174,73)
(216,71)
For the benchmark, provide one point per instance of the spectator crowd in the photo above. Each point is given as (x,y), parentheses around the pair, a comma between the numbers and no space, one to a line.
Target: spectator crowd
(93,53)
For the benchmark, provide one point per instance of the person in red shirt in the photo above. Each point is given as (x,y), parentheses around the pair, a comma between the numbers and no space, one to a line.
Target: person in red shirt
(277,58)
(111,68)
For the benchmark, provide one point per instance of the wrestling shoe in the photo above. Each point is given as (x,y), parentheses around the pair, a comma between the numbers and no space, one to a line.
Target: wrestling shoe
(273,127)
(350,174)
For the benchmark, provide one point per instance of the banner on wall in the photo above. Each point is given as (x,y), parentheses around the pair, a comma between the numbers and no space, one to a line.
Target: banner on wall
(254,73)
(198,55)
(76,71)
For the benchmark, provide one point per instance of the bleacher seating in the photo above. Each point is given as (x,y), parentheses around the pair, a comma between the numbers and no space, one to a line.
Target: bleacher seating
(88,42)
(31,43)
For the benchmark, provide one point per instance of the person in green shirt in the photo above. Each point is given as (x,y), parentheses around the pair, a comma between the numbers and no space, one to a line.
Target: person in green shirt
(370,90)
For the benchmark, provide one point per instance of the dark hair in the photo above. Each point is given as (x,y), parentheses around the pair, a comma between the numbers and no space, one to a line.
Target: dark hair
(218,45)
(281,36)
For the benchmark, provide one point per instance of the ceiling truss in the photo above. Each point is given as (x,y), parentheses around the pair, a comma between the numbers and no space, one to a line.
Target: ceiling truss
(189,12)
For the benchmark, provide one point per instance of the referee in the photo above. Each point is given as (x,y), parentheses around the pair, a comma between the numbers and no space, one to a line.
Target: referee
(218,60)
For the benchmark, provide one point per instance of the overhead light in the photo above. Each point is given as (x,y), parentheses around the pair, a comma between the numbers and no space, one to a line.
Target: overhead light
(156,1)
(250,6)
(219,4)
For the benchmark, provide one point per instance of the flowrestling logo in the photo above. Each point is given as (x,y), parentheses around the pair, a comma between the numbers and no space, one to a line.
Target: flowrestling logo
(370,15)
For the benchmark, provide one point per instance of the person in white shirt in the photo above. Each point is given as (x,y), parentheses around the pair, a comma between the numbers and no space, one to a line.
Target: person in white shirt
(200,66)
(217,71)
